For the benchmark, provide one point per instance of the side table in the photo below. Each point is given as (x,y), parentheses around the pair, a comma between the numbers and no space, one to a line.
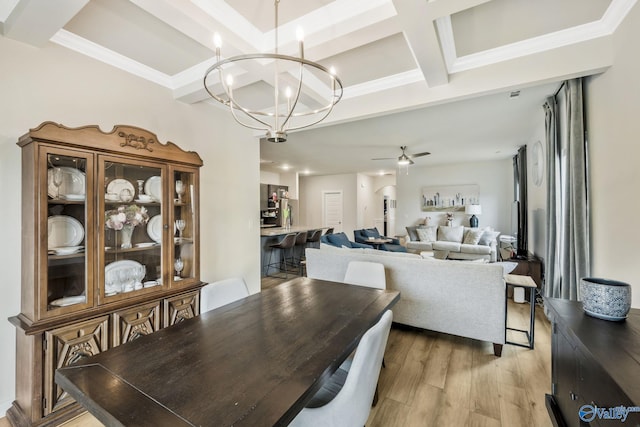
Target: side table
(523,282)
(377,242)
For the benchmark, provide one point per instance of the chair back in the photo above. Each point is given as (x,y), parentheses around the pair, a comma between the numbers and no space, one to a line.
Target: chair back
(329,231)
(222,292)
(365,273)
(287,242)
(315,236)
(352,404)
(301,238)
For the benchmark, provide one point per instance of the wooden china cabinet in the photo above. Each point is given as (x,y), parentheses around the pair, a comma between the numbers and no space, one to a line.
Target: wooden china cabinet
(110,252)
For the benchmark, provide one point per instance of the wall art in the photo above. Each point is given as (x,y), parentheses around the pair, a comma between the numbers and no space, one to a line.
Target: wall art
(449,197)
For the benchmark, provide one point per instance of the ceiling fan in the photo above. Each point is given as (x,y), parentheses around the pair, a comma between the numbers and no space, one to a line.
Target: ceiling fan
(404,159)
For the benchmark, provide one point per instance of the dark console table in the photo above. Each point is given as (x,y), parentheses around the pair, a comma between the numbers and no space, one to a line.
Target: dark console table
(529,266)
(594,363)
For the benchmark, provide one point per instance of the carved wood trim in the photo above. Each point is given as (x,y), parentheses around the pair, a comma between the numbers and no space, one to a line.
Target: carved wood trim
(181,308)
(122,139)
(131,324)
(67,345)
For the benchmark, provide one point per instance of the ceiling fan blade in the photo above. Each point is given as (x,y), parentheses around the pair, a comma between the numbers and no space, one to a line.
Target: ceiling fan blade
(384,158)
(426,153)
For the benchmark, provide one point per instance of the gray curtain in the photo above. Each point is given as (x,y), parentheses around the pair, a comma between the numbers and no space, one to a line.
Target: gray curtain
(568,254)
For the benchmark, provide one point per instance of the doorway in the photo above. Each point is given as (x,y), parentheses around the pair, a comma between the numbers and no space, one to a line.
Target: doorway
(332,211)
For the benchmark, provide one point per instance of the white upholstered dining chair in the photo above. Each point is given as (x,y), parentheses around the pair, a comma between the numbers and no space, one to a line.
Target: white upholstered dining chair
(365,273)
(345,401)
(369,274)
(222,292)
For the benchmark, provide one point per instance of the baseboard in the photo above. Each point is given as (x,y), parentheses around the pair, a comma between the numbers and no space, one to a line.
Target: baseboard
(4,407)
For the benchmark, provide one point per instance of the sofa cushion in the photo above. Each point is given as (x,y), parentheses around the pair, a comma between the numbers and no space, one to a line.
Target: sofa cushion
(472,236)
(343,249)
(390,253)
(419,246)
(328,247)
(475,249)
(450,234)
(426,234)
(442,245)
(411,231)
(339,240)
(488,237)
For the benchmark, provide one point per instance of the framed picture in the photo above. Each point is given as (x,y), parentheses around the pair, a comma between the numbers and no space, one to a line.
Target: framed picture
(449,198)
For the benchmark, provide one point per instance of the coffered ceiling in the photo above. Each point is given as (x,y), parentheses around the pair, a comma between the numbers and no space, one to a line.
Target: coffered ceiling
(434,75)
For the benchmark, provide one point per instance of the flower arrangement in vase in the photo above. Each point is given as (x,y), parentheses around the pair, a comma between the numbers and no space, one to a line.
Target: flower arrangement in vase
(125,219)
(449,219)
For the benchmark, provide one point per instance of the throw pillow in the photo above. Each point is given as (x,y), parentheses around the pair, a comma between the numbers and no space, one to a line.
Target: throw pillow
(339,240)
(371,232)
(426,234)
(488,237)
(450,234)
(472,236)
(411,232)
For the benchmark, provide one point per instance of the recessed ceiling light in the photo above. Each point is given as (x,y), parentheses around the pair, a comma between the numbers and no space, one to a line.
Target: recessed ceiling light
(286,167)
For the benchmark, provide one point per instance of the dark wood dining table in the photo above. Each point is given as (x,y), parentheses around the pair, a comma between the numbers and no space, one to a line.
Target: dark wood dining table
(254,362)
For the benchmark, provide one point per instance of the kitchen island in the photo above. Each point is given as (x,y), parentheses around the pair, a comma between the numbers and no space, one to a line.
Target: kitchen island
(269,236)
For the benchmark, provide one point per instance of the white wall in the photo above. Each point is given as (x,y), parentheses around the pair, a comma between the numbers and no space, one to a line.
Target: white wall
(368,208)
(267,177)
(494,179)
(612,106)
(55,84)
(290,179)
(311,188)
(384,181)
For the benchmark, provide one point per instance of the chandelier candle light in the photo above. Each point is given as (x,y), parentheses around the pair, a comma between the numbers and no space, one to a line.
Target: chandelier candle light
(276,120)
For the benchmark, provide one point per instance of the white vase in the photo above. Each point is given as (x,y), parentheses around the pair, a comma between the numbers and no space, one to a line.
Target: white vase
(125,236)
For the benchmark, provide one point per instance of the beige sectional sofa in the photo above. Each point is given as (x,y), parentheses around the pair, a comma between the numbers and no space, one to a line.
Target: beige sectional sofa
(458,242)
(454,297)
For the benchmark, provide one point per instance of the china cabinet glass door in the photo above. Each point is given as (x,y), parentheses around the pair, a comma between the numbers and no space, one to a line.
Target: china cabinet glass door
(133,230)
(67,182)
(185,225)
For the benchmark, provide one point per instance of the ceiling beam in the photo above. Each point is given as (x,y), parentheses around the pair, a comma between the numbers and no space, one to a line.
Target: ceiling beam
(35,21)
(441,8)
(420,33)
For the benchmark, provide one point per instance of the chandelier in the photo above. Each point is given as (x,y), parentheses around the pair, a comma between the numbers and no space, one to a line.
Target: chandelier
(305,105)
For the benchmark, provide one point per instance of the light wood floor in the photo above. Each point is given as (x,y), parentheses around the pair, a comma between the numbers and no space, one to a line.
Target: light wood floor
(440,380)
(434,379)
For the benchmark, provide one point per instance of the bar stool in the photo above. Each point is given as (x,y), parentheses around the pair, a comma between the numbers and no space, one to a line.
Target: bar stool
(300,244)
(286,243)
(313,241)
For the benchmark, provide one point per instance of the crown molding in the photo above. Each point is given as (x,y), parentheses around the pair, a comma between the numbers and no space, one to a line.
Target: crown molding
(76,43)
(384,83)
(605,26)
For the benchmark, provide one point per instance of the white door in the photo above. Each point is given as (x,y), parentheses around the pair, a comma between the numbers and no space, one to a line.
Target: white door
(332,210)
